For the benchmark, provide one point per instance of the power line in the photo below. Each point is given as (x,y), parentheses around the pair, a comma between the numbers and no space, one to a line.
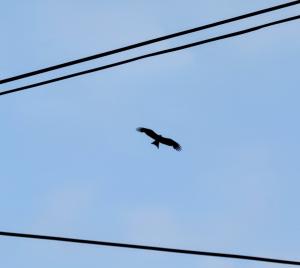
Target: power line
(148,42)
(143,247)
(226,36)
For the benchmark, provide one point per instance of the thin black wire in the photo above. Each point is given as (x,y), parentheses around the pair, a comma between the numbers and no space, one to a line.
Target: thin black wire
(143,247)
(151,55)
(148,42)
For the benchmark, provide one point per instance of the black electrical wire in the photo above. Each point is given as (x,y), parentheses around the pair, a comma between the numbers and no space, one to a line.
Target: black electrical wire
(143,247)
(226,36)
(148,42)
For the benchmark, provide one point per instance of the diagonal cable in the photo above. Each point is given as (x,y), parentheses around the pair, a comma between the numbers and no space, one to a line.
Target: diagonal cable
(152,248)
(148,42)
(161,52)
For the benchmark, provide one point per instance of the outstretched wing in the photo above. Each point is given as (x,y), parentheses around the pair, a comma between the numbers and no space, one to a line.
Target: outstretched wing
(148,132)
(172,143)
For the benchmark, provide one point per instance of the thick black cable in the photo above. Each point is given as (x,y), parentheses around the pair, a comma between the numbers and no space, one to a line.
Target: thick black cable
(143,247)
(148,42)
(151,55)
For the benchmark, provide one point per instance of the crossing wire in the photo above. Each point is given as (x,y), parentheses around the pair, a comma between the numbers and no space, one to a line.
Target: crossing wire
(148,42)
(161,52)
(152,248)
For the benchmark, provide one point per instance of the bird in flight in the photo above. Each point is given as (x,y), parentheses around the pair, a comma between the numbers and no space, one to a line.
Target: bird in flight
(159,138)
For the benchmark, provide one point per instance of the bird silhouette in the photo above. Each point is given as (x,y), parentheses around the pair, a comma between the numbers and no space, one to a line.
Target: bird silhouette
(159,138)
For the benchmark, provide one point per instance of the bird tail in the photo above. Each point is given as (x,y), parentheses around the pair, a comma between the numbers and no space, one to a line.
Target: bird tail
(156,143)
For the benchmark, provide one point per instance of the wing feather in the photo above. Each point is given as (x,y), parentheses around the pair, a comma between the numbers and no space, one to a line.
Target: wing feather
(149,132)
(172,143)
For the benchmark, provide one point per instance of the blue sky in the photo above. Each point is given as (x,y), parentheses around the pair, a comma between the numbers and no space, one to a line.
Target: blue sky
(73,165)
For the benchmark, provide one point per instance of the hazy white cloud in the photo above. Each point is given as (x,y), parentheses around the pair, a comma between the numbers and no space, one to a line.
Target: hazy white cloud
(153,225)
(64,207)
